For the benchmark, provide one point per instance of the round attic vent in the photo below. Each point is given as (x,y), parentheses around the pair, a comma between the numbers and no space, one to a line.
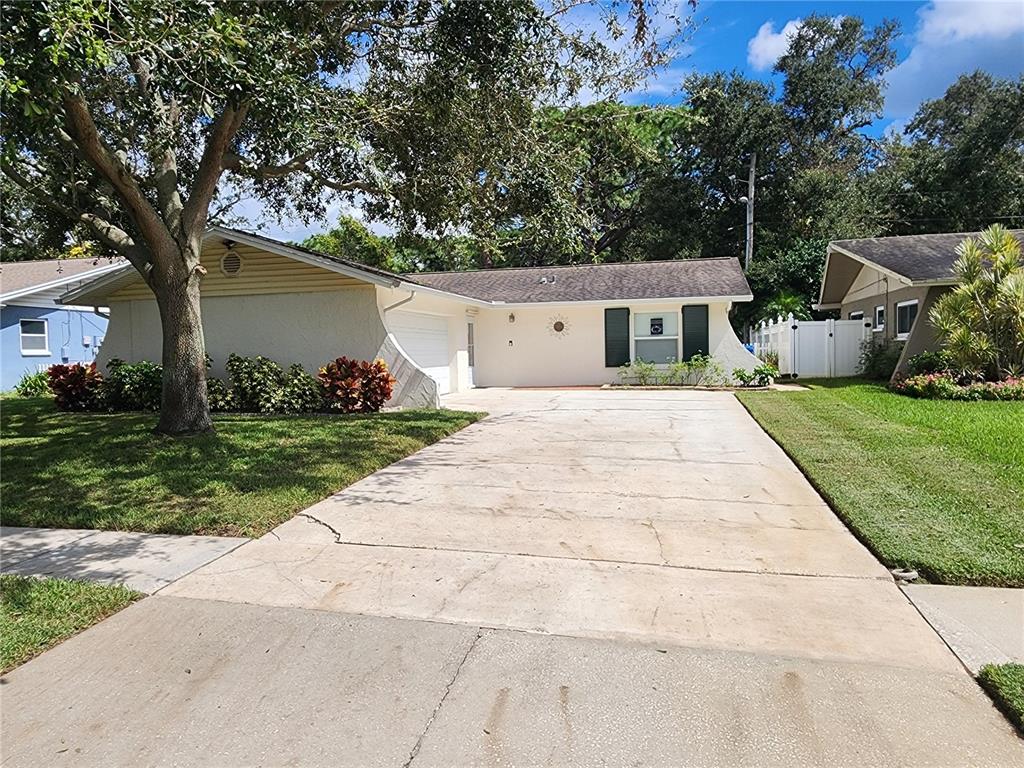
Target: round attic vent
(231,263)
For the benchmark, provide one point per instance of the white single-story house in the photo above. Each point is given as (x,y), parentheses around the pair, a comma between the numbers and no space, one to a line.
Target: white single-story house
(891,283)
(438,332)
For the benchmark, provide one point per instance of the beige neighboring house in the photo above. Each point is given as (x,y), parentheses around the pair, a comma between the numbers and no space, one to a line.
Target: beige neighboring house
(438,332)
(891,283)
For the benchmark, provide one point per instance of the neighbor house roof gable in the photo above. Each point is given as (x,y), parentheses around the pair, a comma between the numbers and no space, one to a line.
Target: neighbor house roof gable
(908,259)
(23,280)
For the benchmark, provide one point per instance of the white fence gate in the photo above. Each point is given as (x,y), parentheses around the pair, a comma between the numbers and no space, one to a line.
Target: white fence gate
(818,348)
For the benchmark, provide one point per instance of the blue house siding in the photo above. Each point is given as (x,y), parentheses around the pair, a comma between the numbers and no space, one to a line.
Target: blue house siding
(66,330)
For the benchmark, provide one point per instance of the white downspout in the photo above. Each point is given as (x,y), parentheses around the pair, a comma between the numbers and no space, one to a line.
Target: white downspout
(406,300)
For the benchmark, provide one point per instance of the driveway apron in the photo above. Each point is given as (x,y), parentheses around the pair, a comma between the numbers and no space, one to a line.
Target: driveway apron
(582,578)
(660,517)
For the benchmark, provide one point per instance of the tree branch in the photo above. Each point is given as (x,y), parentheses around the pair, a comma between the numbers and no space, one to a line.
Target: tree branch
(298,164)
(88,141)
(106,232)
(222,133)
(166,181)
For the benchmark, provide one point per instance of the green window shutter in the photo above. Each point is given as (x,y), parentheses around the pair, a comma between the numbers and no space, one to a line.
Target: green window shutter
(695,330)
(616,337)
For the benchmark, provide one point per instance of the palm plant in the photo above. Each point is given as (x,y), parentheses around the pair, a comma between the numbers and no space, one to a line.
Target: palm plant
(981,321)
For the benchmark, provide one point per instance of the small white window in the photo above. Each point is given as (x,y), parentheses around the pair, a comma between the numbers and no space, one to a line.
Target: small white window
(34,340)
(879,319)
(856,315)
(906,312)
(656,336)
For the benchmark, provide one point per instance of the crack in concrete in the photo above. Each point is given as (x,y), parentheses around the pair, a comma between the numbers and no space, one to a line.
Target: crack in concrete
(447,689)
(318,521)
(661,546)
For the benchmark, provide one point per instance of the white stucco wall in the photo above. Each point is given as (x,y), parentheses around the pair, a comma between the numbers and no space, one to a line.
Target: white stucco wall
(528,353)
(306,328)
(309,328)
(312,327)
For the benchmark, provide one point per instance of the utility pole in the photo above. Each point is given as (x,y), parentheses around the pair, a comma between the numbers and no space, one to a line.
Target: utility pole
(749,199)
(749,250)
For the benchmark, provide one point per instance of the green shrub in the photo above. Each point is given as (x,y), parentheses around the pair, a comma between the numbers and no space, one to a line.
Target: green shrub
(75,387)
(704,370)
(255,382)
(699,370)
(929,362)
(132,386)
(301,393)
(639,372)
(354,386)
(763,375)
(33,385)
(218,395)
(878,360)
(772,359)
(942,386)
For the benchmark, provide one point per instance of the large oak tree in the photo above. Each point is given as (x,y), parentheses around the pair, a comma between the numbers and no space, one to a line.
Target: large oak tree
(138,119)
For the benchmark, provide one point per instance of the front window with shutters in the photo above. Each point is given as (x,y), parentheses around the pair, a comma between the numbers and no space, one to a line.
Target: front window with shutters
(34,338)
(660,337)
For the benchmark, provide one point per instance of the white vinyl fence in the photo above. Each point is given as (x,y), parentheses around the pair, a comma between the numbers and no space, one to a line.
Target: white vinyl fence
(819,348)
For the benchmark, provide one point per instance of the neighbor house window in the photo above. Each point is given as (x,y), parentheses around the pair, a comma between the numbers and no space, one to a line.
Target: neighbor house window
(856,315)
(879,319)
(33,338)
(470,345)
(906,311)
(656,336)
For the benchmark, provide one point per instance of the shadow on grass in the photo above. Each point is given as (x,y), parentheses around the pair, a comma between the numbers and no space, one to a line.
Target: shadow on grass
(108,471)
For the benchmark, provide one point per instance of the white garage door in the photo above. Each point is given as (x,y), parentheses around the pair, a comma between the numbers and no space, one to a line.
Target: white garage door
(425,339)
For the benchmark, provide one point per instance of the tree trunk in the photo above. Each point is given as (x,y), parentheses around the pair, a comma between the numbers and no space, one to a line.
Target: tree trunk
(184,409)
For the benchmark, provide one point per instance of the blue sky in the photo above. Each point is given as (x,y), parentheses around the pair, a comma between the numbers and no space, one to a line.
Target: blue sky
(939,41)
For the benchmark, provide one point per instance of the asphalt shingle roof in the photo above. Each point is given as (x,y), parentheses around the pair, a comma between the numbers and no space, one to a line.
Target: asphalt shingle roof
(18,275)
(683,278)
(917,257)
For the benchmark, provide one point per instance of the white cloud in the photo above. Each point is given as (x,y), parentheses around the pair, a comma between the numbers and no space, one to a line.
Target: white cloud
(768,46)
(953,20)
(952,39)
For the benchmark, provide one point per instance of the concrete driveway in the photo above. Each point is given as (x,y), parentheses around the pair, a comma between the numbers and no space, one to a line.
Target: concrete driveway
(584,577)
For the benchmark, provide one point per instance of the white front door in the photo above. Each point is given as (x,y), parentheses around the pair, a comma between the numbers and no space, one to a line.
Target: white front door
(425,339)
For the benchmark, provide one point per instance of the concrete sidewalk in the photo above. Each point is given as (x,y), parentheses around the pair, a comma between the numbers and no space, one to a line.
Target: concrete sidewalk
(143,561)
(983,625)
(183,682)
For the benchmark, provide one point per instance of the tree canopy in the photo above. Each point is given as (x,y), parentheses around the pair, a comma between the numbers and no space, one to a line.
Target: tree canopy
(143,120)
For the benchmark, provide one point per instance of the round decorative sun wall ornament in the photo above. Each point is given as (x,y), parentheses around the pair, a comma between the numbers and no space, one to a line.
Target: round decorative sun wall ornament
(558,326)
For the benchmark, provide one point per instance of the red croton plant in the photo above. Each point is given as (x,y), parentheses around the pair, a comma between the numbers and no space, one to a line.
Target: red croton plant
(356,386)
(75,387)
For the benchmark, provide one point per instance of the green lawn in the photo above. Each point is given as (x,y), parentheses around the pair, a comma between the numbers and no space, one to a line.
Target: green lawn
(108,471)
(1005,684)
(36,614)
(937,486)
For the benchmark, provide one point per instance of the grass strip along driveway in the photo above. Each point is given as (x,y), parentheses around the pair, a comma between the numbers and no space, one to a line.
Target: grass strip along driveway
(36,614)
(936,486)
(1005,684)
(108,471)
